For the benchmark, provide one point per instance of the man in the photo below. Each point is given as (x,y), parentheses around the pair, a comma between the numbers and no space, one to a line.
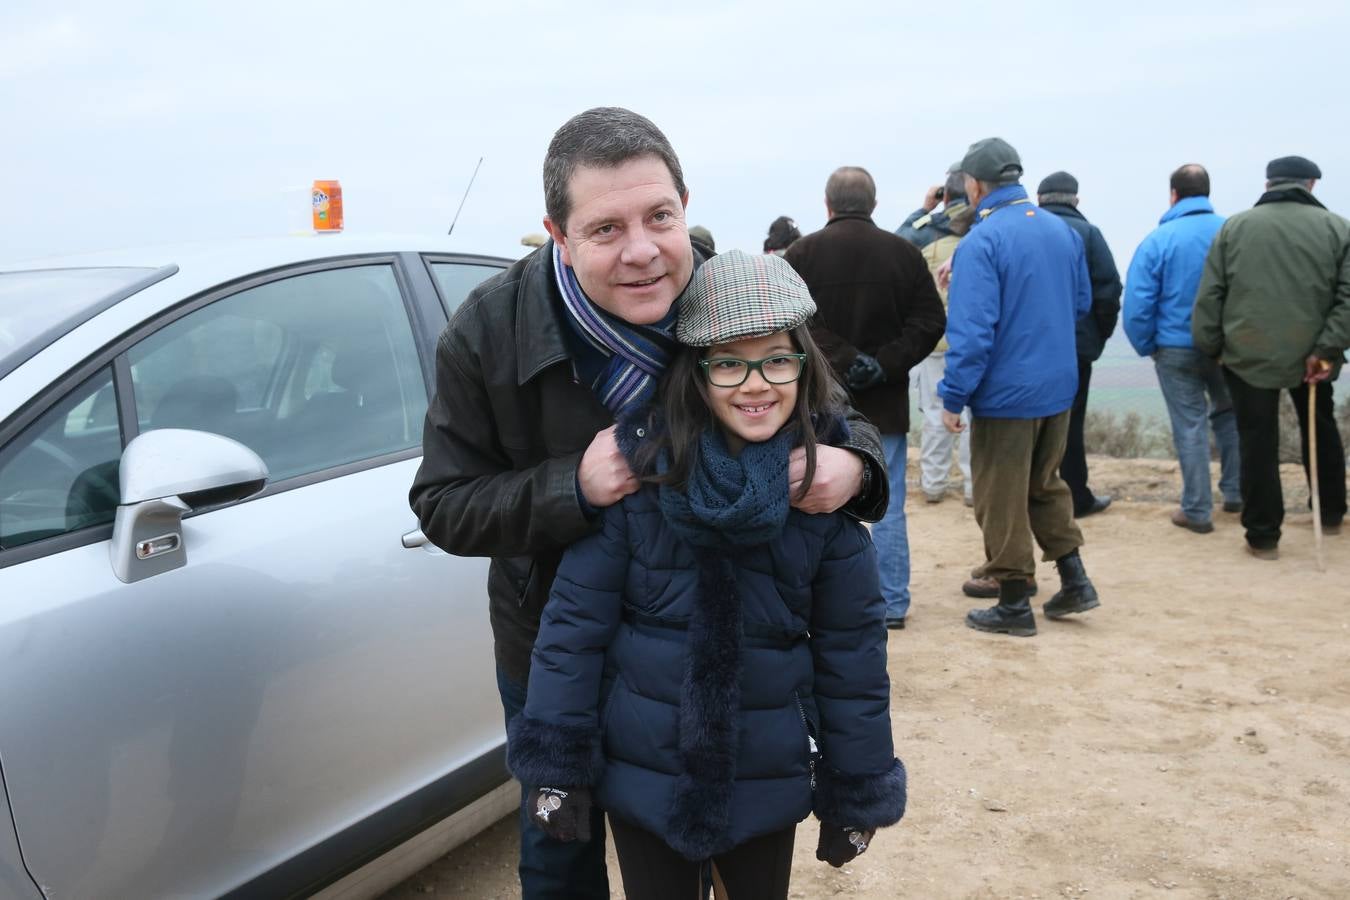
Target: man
(937,237)
(519,451)
(1274,308)
(1019,282)
(878,314)
(1159,295)
(1058,193)
(928,223)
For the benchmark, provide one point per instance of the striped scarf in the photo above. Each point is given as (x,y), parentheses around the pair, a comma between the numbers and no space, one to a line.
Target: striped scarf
(636,354)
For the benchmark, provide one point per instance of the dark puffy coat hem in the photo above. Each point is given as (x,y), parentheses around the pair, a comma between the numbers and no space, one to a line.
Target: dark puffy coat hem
(541,754)
(861,801)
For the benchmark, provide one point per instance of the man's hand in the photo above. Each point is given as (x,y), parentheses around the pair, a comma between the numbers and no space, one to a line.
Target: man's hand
(864,373)
(604,475)
(953,422)
(1316,370)
(944,274)
(931,199)
(837,481)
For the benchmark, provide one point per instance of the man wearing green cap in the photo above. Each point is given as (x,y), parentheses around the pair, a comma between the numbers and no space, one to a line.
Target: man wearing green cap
(1274,308)
(1019,284)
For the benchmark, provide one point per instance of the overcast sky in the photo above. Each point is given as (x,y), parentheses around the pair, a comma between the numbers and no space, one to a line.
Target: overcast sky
(134,122)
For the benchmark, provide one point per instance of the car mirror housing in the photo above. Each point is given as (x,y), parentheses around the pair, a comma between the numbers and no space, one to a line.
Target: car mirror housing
(164,474)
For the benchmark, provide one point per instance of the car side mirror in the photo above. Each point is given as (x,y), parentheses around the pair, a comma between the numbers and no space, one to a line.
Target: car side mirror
(164,474)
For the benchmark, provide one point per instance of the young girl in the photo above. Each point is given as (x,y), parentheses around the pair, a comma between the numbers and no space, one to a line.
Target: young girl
(711,665)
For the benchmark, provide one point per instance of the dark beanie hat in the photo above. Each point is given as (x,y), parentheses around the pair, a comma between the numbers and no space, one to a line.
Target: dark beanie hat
(1295,167)
(993,160)
(1058,183)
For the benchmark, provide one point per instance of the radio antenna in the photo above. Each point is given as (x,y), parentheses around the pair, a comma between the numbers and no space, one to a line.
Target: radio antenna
(465,197)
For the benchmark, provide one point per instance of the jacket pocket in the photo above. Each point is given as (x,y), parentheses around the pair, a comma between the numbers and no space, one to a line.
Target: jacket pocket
(511,576)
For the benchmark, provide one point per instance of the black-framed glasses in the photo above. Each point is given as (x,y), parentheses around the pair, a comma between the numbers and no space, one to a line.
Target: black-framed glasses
(728,371)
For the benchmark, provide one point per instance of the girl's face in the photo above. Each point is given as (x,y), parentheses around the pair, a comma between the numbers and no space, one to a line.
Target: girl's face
(754,410)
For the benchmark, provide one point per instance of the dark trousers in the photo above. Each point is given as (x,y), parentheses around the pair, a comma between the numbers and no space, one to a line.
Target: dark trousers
(549,869)
(1018,495)
(1257,411)
(1074,469)
(759,869)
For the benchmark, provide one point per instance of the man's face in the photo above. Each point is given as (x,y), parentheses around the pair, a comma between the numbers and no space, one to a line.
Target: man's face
(626,238)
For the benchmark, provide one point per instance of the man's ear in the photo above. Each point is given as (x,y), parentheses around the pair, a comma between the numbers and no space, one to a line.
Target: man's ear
(560,238)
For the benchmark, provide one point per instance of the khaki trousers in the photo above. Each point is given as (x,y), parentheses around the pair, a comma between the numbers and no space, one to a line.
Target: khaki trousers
(1019,495)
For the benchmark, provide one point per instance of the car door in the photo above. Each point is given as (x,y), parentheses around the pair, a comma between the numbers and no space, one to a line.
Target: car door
(304,679)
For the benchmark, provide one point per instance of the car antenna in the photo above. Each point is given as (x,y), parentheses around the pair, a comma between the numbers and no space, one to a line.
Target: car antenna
(465,197)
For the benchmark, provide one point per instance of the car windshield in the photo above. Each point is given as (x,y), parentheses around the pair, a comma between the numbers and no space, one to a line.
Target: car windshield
(40,305)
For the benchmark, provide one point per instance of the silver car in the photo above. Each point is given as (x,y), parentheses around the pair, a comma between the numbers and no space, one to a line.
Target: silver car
(230,664)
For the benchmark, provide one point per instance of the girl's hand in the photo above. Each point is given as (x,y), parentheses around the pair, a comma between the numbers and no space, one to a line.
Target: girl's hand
(840,844)
(562,814)
(837,481)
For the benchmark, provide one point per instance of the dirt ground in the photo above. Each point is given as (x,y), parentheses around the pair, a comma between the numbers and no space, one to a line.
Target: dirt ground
(1189,739)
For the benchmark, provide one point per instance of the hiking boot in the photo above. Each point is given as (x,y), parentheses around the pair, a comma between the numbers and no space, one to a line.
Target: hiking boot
(933,497)
(1076,593)
(1011,615)
(1263,552)
(1180,520)
(982,587)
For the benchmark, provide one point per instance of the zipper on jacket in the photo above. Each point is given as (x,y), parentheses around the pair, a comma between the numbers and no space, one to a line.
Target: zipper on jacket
(811,746)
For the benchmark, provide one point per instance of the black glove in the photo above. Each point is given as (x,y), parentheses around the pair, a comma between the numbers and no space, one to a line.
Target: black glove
(562,814)
(840,844)
(865,372)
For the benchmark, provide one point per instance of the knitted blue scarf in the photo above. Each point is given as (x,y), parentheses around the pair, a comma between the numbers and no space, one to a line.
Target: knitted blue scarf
(737,500)
(636,354)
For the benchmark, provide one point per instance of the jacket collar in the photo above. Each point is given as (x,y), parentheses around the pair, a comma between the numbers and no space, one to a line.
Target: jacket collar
(1064,209)
(1290,193)
(540,341)
(840,217)
(1187,206)
(1009,193)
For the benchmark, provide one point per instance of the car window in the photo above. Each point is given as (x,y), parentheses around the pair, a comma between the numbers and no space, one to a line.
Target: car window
(60,473)
(456,280)
(309,371)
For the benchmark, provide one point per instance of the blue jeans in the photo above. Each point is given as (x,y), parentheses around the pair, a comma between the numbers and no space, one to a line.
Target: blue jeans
(1187,376)
(890,536)
(549,869)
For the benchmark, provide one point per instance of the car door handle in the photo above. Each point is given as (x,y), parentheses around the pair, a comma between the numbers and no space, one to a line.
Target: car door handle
(415,538)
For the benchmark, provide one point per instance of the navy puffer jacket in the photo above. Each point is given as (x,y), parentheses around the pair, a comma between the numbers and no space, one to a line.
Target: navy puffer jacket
(643,686)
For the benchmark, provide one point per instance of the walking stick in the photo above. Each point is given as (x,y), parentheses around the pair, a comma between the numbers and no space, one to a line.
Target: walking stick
(1312,474)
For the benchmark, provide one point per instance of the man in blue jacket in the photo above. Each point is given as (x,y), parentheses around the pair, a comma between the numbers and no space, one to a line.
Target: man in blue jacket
(1159,295)
(1019,284)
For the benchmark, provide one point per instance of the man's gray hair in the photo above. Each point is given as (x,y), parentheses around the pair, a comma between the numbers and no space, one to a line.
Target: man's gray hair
(851,190)
(1060,197)
(602,138)
(1284,182)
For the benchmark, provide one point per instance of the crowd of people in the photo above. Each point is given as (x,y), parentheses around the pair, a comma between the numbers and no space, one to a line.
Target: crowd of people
(669,455)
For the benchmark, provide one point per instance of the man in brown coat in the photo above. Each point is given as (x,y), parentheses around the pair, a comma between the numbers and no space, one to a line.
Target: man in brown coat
(878,315)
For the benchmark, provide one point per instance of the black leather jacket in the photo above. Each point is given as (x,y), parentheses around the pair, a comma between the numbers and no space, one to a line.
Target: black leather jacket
(504,436)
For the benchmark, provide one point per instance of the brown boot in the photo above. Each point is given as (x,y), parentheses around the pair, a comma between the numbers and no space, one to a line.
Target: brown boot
(985,587)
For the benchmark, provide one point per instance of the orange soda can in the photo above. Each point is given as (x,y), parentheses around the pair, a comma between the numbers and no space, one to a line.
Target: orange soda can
(327,206)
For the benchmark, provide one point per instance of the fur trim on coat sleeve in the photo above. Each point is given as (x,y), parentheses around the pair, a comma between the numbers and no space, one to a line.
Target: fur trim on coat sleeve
(861,801)
(542,754)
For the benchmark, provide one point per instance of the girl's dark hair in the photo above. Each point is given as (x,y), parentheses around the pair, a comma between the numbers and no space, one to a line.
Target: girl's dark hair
(684,404)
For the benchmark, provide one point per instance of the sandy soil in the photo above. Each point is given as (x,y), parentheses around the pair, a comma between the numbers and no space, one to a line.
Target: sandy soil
(1189,739)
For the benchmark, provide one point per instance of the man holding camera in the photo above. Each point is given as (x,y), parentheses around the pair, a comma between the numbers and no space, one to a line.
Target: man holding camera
(878,315)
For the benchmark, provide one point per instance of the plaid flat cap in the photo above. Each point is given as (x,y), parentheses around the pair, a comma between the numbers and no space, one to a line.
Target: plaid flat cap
(737,295)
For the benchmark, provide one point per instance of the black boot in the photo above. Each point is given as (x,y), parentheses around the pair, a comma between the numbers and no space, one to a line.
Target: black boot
(1012,615)
(1076,593)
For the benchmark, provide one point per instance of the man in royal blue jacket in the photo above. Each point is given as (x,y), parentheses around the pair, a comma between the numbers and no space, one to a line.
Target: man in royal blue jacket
(1019,284)
(1159,295)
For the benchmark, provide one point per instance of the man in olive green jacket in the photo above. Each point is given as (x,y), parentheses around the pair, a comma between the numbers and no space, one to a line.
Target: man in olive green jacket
(1274,307)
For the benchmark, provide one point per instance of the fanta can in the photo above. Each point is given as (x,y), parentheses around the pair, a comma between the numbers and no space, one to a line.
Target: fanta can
(327,203)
